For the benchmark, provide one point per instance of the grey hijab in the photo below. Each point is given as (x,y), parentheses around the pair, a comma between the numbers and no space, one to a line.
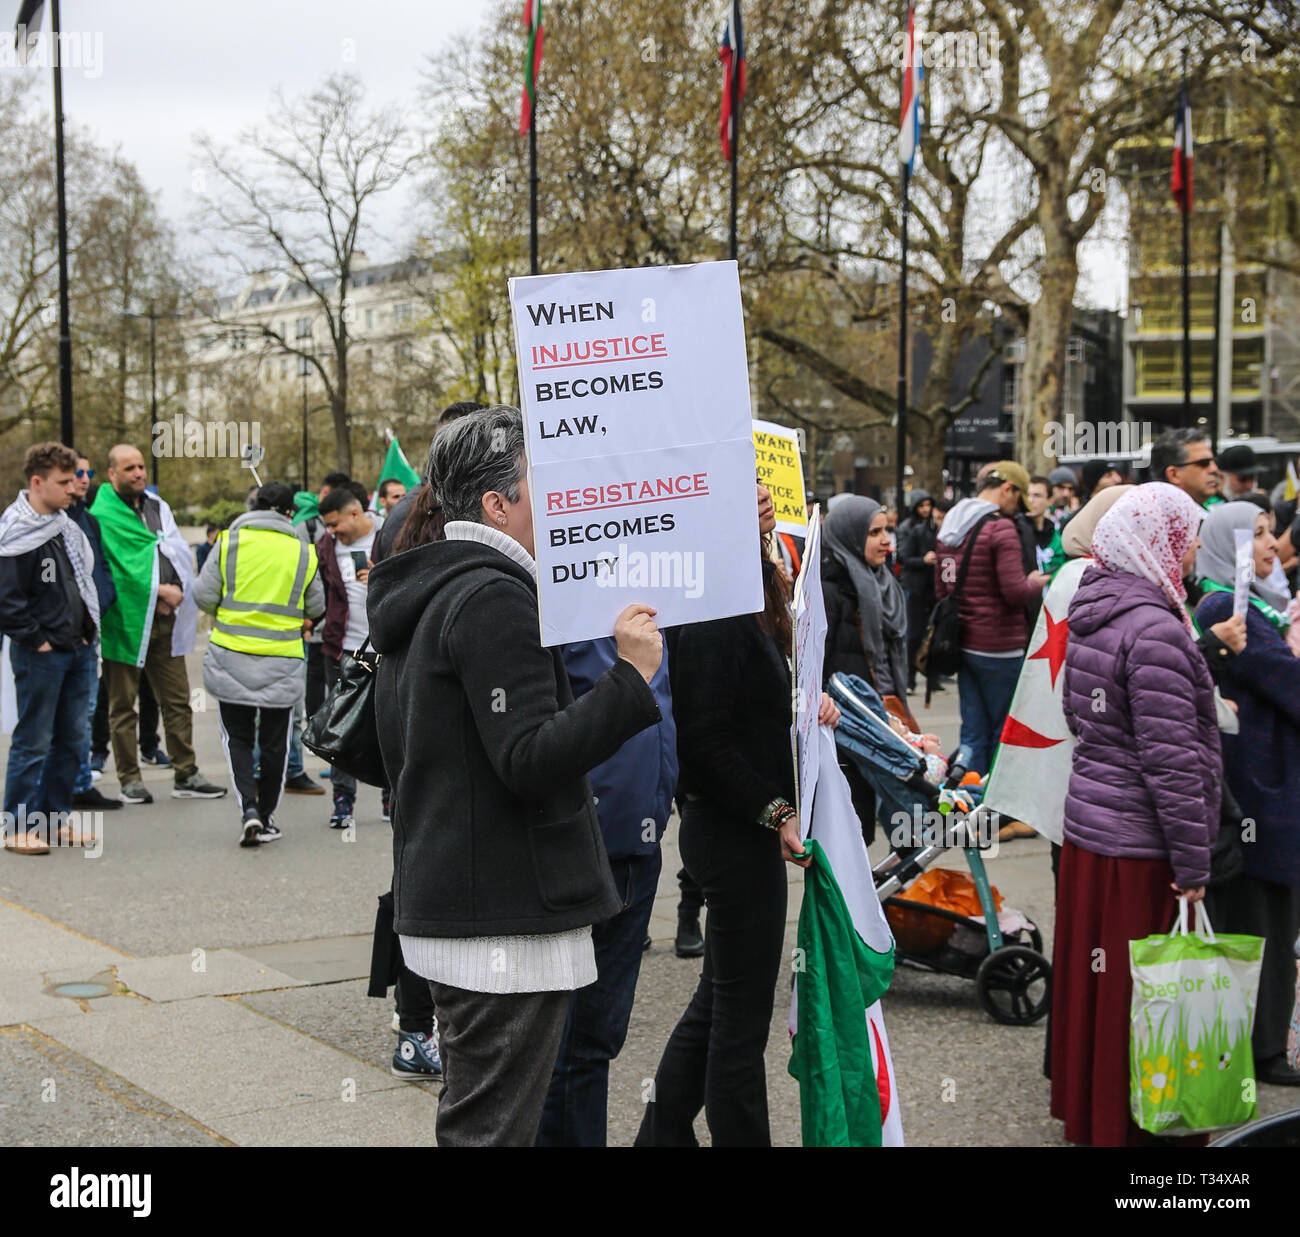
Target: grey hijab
(1217,558)
(882,608)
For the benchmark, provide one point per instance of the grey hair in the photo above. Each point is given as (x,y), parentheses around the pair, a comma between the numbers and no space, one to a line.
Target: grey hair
(476,455)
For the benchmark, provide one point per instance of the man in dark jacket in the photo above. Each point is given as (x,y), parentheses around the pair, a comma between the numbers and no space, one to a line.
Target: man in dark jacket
(49,614)
(992,604)
(916,554)
(633,790)
(84,792)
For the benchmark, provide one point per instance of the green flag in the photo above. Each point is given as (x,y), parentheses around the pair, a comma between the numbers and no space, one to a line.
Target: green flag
(132,554)
(398,468)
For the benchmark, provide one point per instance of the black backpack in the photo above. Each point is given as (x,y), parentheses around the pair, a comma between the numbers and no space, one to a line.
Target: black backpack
(940,651)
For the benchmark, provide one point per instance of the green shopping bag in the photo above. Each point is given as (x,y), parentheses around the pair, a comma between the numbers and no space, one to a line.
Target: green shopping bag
(1190,1064)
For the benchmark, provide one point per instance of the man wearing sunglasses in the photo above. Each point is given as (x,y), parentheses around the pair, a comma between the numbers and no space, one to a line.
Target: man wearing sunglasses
(84,792)
(1183,458)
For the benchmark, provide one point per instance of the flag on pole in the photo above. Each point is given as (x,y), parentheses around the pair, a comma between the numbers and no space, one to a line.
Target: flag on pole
(27,29)
(1180,179)
(397,467)
(1031,767)
(732,54)
(533,65)
(848,1094)
(909,128)
(1292,483)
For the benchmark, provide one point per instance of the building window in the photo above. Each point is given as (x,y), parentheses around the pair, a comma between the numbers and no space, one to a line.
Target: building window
(237,342)
(284,367)
(304,328)
(402,312)
(370,319)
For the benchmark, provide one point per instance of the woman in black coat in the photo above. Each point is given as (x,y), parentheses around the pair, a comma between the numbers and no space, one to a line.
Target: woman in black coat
(499,868)
(732,705)
(866,619)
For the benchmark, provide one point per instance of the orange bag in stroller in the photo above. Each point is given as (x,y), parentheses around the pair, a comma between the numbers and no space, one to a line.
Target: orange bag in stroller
(918,932)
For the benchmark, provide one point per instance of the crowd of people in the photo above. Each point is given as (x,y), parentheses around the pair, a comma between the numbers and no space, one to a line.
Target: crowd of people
(529,788)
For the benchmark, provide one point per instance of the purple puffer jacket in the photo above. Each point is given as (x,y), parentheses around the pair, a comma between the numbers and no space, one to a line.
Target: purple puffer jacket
(1138,698)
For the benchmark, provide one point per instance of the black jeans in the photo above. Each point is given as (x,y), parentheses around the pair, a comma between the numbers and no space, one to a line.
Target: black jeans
(99,738)
(243,726)
(315,676)
(692,896)
(714,1058)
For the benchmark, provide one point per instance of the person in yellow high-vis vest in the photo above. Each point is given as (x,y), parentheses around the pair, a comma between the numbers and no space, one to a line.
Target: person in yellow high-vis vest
(261,585)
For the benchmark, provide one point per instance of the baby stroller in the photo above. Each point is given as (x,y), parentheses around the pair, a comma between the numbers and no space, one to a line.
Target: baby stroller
(1013,979)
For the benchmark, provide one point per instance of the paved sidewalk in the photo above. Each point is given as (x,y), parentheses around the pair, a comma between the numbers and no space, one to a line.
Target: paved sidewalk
(235,1008)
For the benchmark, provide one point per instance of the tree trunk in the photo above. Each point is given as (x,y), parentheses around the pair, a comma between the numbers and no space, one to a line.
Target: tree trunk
(927,442)
(339,410)
(1043,378)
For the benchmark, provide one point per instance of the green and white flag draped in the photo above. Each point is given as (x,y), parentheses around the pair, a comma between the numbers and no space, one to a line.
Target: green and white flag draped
(840,1052)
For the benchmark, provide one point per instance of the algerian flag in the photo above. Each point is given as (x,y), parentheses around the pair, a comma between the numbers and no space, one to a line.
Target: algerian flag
(1031,768)
(397,467)
(848,1095)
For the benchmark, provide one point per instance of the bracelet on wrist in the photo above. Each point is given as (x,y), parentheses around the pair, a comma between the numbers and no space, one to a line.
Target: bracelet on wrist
(776,814)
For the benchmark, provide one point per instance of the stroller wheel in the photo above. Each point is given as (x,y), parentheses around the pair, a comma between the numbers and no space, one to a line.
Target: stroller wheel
(1014,985)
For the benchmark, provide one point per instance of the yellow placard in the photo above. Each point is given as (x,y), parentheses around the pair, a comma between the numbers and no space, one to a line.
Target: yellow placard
(780,468)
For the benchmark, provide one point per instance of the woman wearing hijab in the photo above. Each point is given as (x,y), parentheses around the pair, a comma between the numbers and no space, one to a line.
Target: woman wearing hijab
(1262,764)
(866,612)
(1142,805)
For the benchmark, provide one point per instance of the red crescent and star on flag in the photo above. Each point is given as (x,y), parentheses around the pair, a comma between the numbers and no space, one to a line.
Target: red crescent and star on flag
(1052,651)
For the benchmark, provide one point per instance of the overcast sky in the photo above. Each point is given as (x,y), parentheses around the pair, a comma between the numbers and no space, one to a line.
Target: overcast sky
(169,68)
(173,67)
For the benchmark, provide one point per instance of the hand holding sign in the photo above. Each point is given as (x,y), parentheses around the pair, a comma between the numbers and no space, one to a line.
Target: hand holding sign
(639,640)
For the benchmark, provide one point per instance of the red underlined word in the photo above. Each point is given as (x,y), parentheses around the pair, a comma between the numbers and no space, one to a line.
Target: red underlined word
(628,493)
(599,361)
(589,351)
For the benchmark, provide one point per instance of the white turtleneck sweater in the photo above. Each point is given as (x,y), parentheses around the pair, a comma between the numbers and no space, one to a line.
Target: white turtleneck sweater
(550,962)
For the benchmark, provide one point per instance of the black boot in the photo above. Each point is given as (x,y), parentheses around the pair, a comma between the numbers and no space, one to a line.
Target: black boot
(689,942)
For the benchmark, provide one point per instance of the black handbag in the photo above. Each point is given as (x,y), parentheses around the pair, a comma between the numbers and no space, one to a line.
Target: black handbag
(940,651)
(343,730)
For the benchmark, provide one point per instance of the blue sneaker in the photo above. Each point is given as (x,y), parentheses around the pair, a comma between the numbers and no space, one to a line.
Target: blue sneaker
(157,758)
(416,1057)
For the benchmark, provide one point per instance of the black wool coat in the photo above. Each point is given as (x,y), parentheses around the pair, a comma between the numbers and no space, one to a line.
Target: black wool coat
(487,752)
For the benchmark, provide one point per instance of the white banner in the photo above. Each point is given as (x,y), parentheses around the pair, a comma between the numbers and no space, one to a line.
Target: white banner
(635,393)
(809,650)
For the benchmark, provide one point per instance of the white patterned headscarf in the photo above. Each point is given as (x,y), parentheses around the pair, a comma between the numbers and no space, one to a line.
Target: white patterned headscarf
(1146,534)
(23,529)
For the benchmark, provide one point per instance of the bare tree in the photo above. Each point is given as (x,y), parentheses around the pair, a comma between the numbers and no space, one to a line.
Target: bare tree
(290,199)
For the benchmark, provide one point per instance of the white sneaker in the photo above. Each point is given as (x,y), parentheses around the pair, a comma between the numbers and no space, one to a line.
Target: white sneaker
(95,775)
(251,833)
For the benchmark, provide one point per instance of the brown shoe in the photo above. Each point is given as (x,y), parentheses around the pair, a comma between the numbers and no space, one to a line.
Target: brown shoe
(27,843)
(1016,829)
(71,836)
(303,785)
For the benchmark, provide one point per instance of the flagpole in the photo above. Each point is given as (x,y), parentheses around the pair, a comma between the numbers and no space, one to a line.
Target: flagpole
(734,87)
(1214,368)
(532,187)
(1187,294)
(65,330)
(901,445)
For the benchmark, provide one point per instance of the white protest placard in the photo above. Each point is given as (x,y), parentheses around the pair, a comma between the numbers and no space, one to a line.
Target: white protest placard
(635,394)
(1245,540)
(809,648)
(780,468)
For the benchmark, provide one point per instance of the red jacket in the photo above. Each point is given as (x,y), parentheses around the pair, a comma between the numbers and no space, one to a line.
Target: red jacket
(336,598)
(993,600)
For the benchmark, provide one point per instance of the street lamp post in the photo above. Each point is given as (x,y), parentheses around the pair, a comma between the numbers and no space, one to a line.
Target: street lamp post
(153,317)
(304,367)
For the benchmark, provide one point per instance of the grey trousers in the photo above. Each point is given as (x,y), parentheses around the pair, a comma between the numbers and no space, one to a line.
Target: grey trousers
(498,1051)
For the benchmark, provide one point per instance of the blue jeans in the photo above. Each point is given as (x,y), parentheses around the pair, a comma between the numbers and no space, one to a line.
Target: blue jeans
(84,781)
(50,737)
(986,685)
(575,1113)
